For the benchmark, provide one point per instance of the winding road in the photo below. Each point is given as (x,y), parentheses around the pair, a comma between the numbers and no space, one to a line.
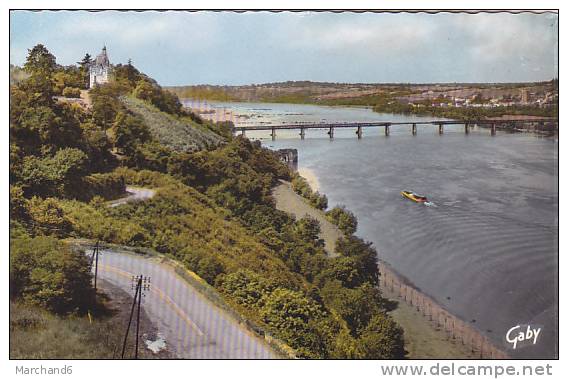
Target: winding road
(191,325)
(133,194)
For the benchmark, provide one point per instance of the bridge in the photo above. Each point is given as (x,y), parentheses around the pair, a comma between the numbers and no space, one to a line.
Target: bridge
(358,126)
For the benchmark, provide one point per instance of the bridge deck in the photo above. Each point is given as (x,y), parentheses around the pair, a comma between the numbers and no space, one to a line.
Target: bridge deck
(324,125)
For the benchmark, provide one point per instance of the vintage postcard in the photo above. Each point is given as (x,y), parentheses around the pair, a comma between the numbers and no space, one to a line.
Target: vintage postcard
(315,184)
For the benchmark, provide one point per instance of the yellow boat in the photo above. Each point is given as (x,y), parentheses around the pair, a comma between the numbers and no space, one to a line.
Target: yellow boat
(414,197)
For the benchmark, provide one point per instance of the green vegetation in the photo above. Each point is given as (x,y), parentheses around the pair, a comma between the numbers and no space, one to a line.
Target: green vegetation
(343,218)
(463,113)
(71,92)
(45,272)
(213,211)
(181,134)
(39,334)
(302,188)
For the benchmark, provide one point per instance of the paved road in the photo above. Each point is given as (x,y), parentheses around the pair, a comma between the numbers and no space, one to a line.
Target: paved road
(134,194)
(192,326)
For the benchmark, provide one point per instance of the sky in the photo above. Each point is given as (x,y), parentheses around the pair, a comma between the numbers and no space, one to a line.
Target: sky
(226,48)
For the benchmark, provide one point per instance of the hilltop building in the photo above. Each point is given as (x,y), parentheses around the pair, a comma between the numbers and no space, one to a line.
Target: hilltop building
(99,71)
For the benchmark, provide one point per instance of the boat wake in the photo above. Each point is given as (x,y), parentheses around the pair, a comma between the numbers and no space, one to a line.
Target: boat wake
(430,204)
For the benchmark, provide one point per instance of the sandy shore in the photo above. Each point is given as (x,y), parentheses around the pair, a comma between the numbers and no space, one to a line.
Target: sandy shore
(310,177)
(422,339)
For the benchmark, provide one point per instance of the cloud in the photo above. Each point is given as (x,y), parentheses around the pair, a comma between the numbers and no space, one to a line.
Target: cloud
(139,29)
(371,32)
(226,47)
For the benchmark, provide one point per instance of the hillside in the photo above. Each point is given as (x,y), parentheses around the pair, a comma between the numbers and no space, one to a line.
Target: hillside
(213,212)
(180,134)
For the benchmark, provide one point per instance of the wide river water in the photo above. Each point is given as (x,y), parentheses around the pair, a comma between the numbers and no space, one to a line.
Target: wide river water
(487,249)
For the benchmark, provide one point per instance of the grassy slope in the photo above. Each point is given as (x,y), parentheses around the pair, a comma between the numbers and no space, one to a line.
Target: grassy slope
(186,221)
(179,134)
(38,334)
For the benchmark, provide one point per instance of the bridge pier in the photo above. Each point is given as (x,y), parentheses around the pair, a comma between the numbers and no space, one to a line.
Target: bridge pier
(413,129)
(273,134)
(330,132)
(359,132)
(387,130)
(302,133)
(466,128)
(493,129)
(440,129)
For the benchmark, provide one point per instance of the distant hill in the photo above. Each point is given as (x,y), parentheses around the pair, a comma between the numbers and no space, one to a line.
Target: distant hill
(180,134)
(369,94)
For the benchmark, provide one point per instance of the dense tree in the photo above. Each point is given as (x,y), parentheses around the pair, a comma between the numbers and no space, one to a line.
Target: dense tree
(127,132)
(46,272)
(355,305)
(59,174)
(105,104)
(18,203)
(85,62)
(299,320)
(343,218)
(48,217)
(40,61)
(364,255)
(381,339)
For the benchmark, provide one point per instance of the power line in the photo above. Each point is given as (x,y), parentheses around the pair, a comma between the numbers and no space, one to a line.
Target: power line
(142,285)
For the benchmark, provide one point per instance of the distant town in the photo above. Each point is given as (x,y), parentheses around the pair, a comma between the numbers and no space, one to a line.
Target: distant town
(541,94)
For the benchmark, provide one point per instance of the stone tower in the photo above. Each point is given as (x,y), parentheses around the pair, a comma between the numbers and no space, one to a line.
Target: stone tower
(99,70)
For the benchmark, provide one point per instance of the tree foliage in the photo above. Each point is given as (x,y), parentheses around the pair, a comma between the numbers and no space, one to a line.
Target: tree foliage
(343,218)
(213,211)
(46,272)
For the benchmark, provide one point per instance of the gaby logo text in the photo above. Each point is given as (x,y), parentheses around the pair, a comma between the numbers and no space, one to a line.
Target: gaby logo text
(523,335)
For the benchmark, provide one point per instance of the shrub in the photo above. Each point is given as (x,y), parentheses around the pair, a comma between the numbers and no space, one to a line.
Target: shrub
(381,339)
(71,92)
(48,217)
(245,287)
(209,268)
(46,272)
(343,218)
(18,203)
(302,188)
(108,186)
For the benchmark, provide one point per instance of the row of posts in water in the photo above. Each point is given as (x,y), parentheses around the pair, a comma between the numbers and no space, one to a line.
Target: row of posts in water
(359,130)
(457,330)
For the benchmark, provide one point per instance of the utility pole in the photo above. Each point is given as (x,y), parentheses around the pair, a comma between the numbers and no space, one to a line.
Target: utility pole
(130,320)
(138,318)
(96,252)
(142,284)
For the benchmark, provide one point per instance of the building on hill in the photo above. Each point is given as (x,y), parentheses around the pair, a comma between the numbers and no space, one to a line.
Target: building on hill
(99,71)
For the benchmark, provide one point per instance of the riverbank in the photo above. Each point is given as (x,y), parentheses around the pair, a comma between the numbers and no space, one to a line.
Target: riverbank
(310,177)
(290,202)
(422,339)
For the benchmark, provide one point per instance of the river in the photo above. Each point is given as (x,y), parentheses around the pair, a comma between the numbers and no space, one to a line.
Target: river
(487,249)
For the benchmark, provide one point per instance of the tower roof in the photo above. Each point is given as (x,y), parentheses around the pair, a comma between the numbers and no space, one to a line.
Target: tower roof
(102,58)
